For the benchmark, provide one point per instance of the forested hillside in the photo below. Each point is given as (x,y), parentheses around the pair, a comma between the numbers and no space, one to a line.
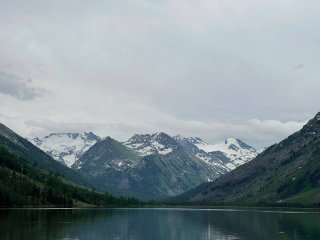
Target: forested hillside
(25,184)
(285,173)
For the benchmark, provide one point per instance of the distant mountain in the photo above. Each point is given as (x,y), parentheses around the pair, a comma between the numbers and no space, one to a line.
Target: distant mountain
(146,144)
(106,153)
(150,166)
(228,155)
(66,147)
(147,166)
(285,173)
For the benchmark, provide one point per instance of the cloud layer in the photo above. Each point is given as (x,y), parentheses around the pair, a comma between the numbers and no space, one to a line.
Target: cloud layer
(208,68)
(12,86)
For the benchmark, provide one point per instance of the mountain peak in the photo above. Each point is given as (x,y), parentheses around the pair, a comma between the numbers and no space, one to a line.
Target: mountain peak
(147,144)
(139,138)
(91,136)
(66,147)
(315,120)
(312,128)
(107,138)
(235,143)
(231,141)
(233,149)
(160,135)
(108,141)
(74,135)
(193,140)
(104,154)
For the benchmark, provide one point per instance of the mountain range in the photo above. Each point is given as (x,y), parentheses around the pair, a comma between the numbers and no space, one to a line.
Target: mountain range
(150,176)
(148,166)
(67,148)
(285,173)
(157,166)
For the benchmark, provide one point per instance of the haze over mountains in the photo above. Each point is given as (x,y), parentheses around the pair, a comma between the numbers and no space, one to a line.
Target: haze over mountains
(147,165)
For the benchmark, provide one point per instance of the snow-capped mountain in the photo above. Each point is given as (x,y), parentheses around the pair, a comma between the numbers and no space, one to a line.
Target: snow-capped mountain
(228,155)
(148,166)
(107,153)
(147,144)
(224,156)
(66,147)
(69,147)
(189,144)
(233,149)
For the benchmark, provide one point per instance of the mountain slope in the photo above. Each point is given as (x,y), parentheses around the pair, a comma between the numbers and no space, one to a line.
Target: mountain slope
(24,184)
(287,172)
(66,147)
(147,144)
(226,156)
(21,147)
(106,153)
(217,162)
(147,166)
(236,151)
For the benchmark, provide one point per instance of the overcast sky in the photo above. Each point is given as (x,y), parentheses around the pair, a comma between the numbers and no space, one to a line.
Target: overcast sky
(209,68)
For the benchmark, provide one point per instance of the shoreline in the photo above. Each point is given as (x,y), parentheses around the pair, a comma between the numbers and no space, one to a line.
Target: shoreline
(203,208)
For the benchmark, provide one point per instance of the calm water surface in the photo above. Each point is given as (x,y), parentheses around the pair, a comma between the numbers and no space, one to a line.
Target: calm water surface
(153,224)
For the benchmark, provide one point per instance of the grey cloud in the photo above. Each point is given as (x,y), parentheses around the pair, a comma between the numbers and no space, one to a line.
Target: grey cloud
(119,131)
(13,86)
(43,127)
(299,66)
(202,68)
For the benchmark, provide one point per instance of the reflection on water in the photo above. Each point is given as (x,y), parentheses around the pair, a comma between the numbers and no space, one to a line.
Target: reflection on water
(157,224)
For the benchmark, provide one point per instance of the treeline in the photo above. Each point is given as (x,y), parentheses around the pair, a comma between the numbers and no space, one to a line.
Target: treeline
(24,184)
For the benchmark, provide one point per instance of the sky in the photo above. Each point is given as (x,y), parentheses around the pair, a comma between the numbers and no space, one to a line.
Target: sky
(208,68)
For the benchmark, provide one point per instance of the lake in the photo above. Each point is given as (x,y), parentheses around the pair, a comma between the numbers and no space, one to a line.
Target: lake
(153,224)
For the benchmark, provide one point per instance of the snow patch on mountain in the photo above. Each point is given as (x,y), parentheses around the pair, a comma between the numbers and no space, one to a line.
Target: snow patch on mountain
(66,147)
(215,160)
(147,144)
(237,151)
